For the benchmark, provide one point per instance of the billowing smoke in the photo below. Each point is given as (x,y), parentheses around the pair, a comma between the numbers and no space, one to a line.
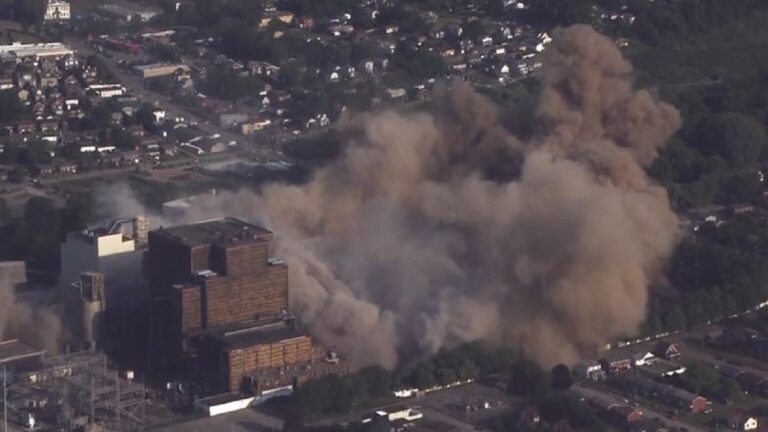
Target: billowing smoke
(34,323)
(440,226)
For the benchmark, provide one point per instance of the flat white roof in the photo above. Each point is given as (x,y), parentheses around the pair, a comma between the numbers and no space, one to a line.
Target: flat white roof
(31,50)
(160,65)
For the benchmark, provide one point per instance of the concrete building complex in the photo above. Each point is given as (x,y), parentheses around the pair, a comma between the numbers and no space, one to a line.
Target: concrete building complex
(220,310)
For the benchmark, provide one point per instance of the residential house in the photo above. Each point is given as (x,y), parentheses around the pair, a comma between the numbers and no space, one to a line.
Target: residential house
(49,125)
(23,96)
(210,144)
(529,416)
(624,416)
(253,125)
(66,167)
(45,170)
(666,350)
(48,80)
(6,83)
(590,371)
(25,127)
(283,16)
(231,119)
(396,93)
(677,397)
(262,69)
(661,368)
(739,209)
(616,361)
(743,422)
(642,358)
(117,118)
(446,51)
(306,22)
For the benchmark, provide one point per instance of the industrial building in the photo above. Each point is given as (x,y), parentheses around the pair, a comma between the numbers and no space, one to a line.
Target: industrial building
(114,250)
(156,70)
(18,51)
(102,287)
(220,311)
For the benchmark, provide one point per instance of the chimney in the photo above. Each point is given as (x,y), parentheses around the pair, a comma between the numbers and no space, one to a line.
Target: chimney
(140,230)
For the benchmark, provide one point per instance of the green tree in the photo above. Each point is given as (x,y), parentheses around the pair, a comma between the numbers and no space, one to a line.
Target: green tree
(728,390)
(674,319)
(561,12)
(561,377)
(737,138)
(17,174)
(10,106)
(528,380)
(100,117)
(377,379)
(79,210)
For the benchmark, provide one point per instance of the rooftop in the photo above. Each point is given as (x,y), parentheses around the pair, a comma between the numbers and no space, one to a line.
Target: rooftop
(227,229)
(34,50)
(13,350)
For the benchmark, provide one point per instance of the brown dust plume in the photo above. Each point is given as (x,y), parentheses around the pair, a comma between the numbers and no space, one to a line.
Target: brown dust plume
(424,233)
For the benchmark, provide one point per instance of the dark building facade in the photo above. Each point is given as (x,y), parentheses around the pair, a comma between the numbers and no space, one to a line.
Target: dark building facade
(220,306)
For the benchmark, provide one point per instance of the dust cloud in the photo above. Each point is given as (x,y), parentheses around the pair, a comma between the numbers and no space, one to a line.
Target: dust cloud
(31,322)
(439,226)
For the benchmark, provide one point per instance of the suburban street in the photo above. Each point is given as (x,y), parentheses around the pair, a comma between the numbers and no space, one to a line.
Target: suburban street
(647,413)
(135,84)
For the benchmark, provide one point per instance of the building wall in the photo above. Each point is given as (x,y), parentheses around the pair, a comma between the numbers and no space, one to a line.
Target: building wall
(159,71)
(259,357)
(77,256)
(240,260)
(169,263)
(114,244)
(187,307)
(57,10)
(231,299)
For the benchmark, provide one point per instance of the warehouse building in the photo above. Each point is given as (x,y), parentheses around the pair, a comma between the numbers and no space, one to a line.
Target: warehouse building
(156,70)
(18,51)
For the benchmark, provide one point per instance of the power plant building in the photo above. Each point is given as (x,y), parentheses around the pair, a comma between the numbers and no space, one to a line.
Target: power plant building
(102,283)
(220,309)
(113,251)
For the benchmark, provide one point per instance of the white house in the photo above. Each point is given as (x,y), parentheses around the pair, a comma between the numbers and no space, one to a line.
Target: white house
(402,412)
(57,10)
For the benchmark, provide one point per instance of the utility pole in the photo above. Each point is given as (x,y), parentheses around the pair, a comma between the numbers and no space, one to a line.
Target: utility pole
(5,399)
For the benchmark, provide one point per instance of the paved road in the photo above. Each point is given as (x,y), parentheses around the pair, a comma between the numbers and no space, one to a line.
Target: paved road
(647,413)
(433,414)
(173,109)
